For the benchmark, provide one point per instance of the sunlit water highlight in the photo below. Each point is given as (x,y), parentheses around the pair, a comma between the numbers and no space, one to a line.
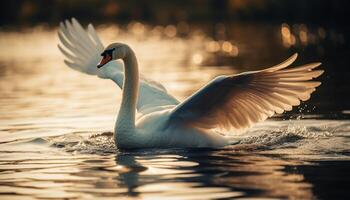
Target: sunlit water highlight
(55,139)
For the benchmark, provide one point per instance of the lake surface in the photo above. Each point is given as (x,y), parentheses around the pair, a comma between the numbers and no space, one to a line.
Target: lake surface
(55,123)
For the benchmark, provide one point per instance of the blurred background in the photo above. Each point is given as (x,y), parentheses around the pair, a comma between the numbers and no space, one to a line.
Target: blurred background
(31,12)
(196,40)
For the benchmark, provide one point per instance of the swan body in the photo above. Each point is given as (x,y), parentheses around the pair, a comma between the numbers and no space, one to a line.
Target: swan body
(228,103)
(153,131)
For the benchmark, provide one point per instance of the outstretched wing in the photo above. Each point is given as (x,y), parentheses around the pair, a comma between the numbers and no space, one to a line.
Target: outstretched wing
(82,49)
(239,101)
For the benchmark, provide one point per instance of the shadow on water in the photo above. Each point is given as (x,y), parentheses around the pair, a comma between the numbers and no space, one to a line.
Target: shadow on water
(225,174)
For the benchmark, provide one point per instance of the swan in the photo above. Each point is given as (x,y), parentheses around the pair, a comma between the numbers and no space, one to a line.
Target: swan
(227,104)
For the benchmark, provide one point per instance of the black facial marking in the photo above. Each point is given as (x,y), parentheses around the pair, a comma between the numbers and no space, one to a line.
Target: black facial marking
(107,52)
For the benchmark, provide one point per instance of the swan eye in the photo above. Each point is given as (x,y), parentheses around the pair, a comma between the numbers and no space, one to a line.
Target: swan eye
(107,52)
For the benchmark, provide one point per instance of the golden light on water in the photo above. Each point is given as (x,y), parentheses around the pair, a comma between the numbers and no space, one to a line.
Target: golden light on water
(170,31)
(300,35)
(137,28)
(288,38)
(212,46)
(227,46)
(303,34)
(285,31)
(197,58)
(234,51)
(157,31)
(223,47)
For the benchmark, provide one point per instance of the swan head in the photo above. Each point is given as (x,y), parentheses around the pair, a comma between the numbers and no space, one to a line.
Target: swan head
(113,51)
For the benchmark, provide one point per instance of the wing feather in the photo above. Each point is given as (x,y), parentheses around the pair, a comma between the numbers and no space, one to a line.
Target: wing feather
(85,38)
(64,40)
(238,102)
(82,48)
(283,64)
(94,36)
(69,56)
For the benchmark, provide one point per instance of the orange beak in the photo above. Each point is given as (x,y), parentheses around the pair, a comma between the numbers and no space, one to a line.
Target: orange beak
(104,60)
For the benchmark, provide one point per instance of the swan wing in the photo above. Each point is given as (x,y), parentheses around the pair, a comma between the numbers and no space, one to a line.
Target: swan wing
(82,48)
(239,101)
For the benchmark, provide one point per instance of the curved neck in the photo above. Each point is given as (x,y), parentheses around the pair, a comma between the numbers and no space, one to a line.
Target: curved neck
(127,111)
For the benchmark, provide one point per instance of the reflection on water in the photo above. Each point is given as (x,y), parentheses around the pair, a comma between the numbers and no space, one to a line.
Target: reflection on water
(35,170)
(54,139)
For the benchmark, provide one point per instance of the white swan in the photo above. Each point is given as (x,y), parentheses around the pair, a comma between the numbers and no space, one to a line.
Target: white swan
(227,103)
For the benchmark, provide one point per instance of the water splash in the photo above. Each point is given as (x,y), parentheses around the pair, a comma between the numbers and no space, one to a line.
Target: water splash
(97,143)
(299,138)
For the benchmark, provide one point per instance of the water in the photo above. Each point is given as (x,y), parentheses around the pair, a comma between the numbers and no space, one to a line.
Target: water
(55,139)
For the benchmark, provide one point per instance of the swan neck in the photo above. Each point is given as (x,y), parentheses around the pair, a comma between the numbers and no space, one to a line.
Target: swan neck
(127,112)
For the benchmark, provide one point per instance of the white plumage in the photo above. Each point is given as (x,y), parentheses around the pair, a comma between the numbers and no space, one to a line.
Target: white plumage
(84,49)
(239,101)
(228,103)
